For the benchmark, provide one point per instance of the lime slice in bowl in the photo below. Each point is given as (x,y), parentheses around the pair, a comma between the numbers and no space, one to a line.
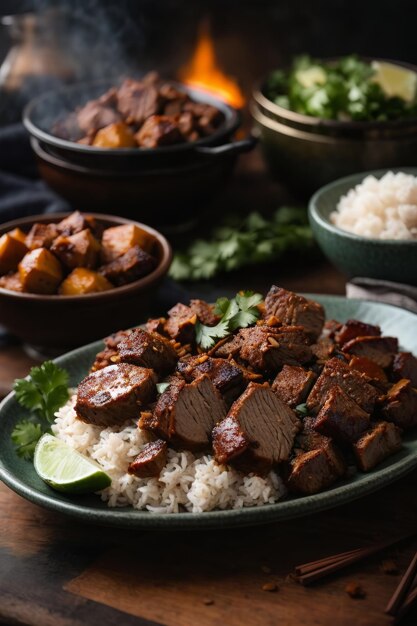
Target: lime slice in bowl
(395,80)
(65,469)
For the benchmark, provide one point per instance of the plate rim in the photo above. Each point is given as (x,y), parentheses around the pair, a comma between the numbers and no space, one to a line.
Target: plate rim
(127,517)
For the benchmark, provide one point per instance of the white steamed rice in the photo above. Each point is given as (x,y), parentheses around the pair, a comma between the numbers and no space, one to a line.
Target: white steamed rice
(191,482)
(384,208)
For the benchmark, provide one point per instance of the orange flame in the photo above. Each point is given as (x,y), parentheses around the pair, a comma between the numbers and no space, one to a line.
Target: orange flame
(202,72)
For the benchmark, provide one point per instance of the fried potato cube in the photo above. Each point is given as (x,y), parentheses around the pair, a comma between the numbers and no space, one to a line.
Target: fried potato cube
(12,252)
(79,250)
(11,282)
(117,135)
(40,272)
(117,240)
(81,281)
(41,236)
(18,234)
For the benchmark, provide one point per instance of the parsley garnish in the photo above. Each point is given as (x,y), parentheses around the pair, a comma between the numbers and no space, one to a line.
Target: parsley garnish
(239,312)
(161,387)
(43,393)
(302,409)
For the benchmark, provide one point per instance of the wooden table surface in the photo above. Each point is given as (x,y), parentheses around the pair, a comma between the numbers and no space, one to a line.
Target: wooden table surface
(55,571)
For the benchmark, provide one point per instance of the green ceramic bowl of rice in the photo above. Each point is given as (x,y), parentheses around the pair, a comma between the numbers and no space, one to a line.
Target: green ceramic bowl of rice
(366,224)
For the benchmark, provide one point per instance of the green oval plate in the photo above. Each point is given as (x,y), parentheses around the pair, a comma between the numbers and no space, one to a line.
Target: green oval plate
(20,475)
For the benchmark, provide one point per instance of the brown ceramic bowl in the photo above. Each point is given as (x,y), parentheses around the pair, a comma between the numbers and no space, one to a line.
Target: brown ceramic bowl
(53,324)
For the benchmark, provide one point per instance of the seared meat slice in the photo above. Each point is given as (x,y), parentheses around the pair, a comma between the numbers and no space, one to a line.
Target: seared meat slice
(114,394)
(382,440)
(369,368)
(400,405)
(132,265)
(181,323)
(293,384)
(148,350)
(381,350)
(205,312)
(78,250)
(323,349)
(341,417)
(309,439)
(405,366)
(294,310)
(354,384)
(150,460)
(354,328)
(95,115)
(41,236)
(186,413)
(138,100)
(224,375)
(158,130)
(228,347)
(258,432)
(76,222)
(112,341)
(316,470)
(156,325)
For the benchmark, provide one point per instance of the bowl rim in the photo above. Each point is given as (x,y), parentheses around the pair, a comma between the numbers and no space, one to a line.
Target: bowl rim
(356,179)
(137,285)
(231,123)
(310,120)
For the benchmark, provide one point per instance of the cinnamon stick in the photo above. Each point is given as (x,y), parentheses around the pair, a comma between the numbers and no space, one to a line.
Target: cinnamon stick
(403,588)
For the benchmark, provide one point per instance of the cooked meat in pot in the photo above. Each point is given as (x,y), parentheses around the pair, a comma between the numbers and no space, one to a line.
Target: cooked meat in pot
(294,310)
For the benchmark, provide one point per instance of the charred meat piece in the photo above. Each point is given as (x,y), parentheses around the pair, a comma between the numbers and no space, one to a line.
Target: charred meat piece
(267,351)
(95,115)
(147,350)
(316,470)
(181,323)
(150,461)
(259,430)
(104,358)
(400,405)
(207,117)
(381,350)
(132,265)
(75,223)
(377,444)
(186,413)
(405,366)
(138,100)
(293,384)
(324,349)
(158,130)
(354,328)
(156,325)
(78,250)
(114,394)
(294,310)
(225,376)
(41,236)
(354,384)
(369,368)
(341,417)
(204,311)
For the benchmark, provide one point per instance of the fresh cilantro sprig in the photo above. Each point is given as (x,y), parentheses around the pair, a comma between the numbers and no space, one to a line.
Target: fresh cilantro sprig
(237,242)
(239,312)
(42,393)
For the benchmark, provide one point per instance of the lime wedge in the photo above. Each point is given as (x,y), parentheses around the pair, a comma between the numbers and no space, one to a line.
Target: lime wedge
(395,80)
(67,470)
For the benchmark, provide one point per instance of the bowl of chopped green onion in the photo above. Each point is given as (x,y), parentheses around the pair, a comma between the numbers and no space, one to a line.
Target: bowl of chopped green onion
(320,120)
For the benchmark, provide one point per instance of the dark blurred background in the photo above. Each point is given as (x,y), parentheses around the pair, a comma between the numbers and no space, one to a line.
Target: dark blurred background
(80,39)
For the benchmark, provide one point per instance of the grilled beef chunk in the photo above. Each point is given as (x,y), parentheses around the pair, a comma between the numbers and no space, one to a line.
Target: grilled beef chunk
(78,250)
(224,375)
(293,384)
(315,470)
(354,328)
(204,311)
(156,325)
(158,130)
(294,310)
(147,350)
(369,368)
(150,460)
(41,236)
(138,100)
(258,432)
(354,384)
(114,394)
(405,366)
(181,323)
(132,265)
(382,440)
(341,417)
(186,413)
(400,405)
(323,349)
(381,350)
(76,222)
(308,438)
(95,115)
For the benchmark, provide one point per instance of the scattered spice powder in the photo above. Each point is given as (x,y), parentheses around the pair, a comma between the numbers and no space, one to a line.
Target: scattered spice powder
(270,587)
(354,590)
